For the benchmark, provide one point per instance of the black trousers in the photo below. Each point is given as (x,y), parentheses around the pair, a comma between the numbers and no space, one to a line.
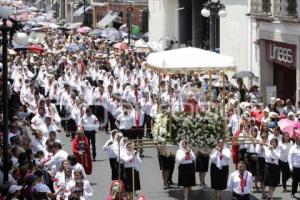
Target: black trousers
(296,179)
(240,197)
(148,124)
(112,121)
(91,136)
(114,168)
(285,172)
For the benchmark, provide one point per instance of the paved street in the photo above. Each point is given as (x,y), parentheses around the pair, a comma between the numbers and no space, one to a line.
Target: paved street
(150,178)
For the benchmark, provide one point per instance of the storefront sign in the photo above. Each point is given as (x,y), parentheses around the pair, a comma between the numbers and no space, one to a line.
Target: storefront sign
(281,53)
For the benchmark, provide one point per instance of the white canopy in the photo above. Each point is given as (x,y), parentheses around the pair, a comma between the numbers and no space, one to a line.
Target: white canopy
(189,59)
(110,17)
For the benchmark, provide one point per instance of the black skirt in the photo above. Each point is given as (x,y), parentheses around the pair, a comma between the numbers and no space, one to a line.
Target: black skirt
(166,163)
(202,162)
(186,175)
(114,168)
(261,168)
(251,163)
(272,175)
(128,180)
(218,177)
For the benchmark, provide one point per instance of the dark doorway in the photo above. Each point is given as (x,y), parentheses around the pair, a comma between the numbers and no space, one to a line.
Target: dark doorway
(285,81)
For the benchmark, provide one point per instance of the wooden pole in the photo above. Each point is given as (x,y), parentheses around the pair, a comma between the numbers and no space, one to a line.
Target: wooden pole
(133,178)
(223,94)
(170,103)
(119,165)
(210,89)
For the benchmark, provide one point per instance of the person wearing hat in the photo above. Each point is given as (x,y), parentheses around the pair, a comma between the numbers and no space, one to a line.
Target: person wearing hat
(266,118)
(14,192)
(289,107)
(273,116)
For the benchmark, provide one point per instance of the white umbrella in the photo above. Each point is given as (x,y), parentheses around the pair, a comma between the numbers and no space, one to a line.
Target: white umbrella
(189,59)
(75,25)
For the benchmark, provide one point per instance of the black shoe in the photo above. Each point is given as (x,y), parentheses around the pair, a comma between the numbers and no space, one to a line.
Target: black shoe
(68,134)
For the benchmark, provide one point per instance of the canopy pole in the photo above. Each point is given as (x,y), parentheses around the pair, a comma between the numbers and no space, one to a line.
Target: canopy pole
(210,89)
(223,93)
(170,104)
(133,177)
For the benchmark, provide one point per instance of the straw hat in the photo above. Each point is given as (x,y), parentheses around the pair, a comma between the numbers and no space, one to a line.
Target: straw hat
(273,115)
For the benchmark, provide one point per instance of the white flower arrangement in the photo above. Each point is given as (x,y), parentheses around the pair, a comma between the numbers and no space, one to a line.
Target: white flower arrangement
(160,131)
(201,130)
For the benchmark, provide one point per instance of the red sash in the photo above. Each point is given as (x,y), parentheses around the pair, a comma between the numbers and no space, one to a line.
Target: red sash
(243,182)
(187,156)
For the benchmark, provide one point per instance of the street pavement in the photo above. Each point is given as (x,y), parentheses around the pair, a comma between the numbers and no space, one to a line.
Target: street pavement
(151,181)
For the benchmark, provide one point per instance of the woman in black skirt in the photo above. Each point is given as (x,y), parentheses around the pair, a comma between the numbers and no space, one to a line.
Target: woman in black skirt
(285,146)
(252,156)
(272,169)
(132,162)
(220,156)
(261,162)
(202,162)
(186,169)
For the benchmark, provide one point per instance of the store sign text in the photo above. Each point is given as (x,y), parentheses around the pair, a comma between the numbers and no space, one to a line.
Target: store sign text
(281,53)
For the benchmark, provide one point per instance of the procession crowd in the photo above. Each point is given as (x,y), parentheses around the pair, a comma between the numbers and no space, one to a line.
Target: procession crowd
(100,89)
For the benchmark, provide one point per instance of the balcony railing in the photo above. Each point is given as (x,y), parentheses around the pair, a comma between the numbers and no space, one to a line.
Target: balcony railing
(285,8)
(261,7)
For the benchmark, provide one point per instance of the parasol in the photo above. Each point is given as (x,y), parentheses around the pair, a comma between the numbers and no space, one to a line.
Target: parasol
(35,48)
(287,125)
(121,46)
(186,60)
(243,74)
(84,30)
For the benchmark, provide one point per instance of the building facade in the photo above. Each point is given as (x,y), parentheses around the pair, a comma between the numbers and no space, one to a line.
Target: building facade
(276,46)
(137,7)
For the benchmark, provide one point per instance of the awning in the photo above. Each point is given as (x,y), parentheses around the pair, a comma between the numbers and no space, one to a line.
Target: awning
(111,16)
(80,11)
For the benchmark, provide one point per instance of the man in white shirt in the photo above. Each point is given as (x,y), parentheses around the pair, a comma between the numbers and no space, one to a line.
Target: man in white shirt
(59,155)
(294,163)
(38,120)
(240,182)
(124,122)
(90,125)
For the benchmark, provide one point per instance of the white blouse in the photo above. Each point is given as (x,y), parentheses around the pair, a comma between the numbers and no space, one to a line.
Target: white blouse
(285,148)
(183,158)
(222,159)
(131,161)
(272,156)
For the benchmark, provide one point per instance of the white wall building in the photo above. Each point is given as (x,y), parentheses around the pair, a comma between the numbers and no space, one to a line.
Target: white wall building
(163,19)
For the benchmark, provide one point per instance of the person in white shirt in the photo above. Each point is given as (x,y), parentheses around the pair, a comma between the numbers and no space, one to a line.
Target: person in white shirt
(294,164)
(276,134)
(272,170)
(146,106)
(82,183)
(186,169)
(108,148)
(59,155)
(63,177)
(219,168)
(138,125)
(90,125)
(260,150)
(39,143)
(124,122)
(285,146)
(252,155)
(38,120)
(131,160)
(240,182)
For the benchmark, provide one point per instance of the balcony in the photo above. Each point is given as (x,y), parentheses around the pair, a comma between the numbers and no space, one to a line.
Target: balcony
(285,9)
(261,8)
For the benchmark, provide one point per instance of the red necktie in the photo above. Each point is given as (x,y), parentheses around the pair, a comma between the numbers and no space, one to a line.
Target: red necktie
(243,181)
(137,118)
